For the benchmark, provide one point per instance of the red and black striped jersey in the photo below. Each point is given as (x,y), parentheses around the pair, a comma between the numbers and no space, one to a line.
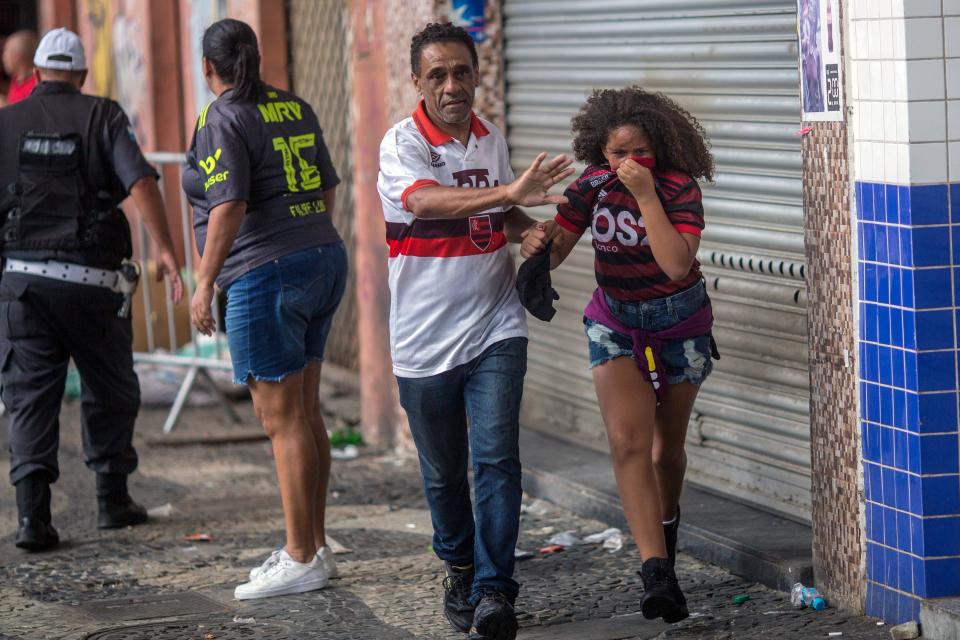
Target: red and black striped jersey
(624,264)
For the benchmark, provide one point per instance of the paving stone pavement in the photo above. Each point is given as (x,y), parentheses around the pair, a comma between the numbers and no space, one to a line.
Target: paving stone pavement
(390,584)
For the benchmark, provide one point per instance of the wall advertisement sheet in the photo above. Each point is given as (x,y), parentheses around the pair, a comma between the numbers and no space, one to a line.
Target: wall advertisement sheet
(818,23)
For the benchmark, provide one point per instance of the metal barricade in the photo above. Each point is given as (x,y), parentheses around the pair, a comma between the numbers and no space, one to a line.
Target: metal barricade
(195,365)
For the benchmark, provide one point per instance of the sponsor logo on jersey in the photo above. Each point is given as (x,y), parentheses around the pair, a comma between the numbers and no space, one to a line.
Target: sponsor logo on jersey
(481,231)
(597,180)
(281,111)
(210,163)
(436,160)
(474,178)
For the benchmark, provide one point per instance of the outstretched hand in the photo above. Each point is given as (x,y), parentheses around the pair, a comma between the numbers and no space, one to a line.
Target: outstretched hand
(532,188)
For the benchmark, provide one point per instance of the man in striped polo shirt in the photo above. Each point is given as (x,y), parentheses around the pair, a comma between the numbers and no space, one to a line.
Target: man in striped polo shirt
(457,329)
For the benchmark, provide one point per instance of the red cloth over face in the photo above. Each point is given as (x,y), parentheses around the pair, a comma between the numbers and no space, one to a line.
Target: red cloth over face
(644,161)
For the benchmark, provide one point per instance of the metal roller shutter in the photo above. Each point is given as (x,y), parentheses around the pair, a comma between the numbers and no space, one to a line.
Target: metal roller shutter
(733,64)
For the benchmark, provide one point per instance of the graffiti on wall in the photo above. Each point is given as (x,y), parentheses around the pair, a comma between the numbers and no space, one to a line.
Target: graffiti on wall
(99,15)
(117,61)
(203,13)
(129,67)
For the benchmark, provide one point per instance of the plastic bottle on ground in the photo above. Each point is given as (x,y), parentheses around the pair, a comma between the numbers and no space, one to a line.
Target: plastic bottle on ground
(801,596)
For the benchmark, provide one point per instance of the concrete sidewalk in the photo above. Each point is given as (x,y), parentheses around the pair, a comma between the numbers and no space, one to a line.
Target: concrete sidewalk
(151,582)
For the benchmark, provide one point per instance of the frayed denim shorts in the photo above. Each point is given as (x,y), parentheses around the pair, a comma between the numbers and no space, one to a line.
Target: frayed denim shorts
(279,314)
(684,360)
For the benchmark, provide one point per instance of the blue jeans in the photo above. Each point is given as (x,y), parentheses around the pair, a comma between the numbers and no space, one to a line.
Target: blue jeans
(686,360)
(279,314)
(484,393)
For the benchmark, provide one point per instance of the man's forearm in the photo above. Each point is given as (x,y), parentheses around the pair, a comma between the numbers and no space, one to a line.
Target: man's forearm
(146,195)
(456,202)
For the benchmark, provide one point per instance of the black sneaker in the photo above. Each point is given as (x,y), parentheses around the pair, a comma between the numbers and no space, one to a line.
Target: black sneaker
(495,618)
(456,598)
(662,597)
(670,532)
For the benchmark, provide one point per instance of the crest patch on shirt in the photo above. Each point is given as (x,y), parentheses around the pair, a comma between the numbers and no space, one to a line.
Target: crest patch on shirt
(481,231)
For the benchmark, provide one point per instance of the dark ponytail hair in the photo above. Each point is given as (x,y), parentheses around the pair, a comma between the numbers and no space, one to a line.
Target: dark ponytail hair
(231,47)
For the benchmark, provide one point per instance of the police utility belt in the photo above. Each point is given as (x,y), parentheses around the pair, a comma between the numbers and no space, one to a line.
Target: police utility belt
(124,280)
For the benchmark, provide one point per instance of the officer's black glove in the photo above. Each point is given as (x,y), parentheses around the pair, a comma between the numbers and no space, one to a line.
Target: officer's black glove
(534,285)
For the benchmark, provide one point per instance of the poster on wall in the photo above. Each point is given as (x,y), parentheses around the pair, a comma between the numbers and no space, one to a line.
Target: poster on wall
(469,15)
(818,22)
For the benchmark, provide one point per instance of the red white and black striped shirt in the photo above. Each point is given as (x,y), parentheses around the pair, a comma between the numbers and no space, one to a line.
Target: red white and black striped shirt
(624,264)
(452,290)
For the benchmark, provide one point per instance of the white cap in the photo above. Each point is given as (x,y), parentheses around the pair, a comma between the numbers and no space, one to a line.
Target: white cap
(60,49)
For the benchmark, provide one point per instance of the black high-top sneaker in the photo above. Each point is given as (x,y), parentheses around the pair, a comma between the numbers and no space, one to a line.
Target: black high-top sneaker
(456,597)
(670,532)
(34,531)
(495,618)
(662,597)
(117,508)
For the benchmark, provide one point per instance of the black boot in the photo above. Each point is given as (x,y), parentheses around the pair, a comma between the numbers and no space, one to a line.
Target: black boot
(670,532)
(494,618)
(662,597)
(34,531)
(456,597)
(117,508)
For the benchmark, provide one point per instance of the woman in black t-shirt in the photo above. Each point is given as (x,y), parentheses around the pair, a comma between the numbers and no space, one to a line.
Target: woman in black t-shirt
(262,186)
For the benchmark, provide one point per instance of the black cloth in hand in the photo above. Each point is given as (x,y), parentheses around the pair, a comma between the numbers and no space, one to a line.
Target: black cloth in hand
(534,285)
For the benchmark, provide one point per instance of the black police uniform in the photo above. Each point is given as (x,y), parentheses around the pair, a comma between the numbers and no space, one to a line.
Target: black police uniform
(66,162)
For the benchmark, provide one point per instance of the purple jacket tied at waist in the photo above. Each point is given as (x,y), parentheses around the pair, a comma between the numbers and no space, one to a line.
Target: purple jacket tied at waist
(648,344)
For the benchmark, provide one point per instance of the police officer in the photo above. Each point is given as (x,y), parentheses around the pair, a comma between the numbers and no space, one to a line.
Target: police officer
(66,162)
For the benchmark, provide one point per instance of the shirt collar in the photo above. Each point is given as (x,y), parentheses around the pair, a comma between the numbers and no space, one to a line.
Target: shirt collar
(55,86)
(435,136)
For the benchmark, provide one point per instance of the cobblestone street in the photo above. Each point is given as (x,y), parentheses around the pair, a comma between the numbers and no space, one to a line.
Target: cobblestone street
(390,584)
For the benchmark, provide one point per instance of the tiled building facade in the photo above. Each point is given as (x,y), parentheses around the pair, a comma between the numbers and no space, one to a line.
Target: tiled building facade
(904,66)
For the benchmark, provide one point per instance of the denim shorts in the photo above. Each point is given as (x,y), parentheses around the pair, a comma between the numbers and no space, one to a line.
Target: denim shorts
(685,360)
(279,314)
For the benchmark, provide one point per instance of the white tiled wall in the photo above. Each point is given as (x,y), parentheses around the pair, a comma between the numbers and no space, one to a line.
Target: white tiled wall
(904,66)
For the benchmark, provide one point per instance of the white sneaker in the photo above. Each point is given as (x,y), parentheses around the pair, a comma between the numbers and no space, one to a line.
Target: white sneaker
(324,553)
(329,562)
(284,576)
(269,562)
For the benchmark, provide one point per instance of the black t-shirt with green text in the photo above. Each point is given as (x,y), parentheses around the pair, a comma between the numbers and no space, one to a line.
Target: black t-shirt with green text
(271,155)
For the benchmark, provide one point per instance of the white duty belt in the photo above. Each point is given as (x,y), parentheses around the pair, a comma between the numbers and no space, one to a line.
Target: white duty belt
(122,281)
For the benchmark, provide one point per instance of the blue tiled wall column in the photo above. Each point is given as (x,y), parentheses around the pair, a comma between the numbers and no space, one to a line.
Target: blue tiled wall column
(909,275)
